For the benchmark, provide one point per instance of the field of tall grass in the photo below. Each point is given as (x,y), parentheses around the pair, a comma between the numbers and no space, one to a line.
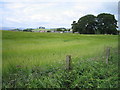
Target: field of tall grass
(31,54)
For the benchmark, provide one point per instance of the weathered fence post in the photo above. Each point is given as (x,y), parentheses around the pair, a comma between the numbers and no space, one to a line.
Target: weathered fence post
(107,54)
(68,62)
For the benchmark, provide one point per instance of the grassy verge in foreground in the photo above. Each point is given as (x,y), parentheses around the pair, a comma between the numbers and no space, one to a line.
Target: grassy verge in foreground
(89,73)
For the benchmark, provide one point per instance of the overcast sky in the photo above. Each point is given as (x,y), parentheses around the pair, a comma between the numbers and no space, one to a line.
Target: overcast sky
(51,13)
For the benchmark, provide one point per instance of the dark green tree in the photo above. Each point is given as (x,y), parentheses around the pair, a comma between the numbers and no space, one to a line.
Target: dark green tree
(102,24)
(28,30)
(74,26)
(87,24)
(61,29)
(107,23)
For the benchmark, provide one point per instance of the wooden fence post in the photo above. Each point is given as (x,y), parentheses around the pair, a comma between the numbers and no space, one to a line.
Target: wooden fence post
(68,62)
(107,54)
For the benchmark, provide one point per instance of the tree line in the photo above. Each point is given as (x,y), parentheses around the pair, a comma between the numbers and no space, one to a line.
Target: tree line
(103,23)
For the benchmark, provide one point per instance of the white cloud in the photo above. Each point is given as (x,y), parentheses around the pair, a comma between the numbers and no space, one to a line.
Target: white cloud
(14,5)
(49,13)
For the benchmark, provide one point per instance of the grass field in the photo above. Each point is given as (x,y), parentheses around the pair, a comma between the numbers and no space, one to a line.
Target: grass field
(28,49)
(43,29)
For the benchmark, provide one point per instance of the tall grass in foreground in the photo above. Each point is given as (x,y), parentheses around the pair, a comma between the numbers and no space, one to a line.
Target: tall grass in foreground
(85,73)
(38,59)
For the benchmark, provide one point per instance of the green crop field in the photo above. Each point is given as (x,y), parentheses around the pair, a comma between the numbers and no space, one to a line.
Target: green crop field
(27,50)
